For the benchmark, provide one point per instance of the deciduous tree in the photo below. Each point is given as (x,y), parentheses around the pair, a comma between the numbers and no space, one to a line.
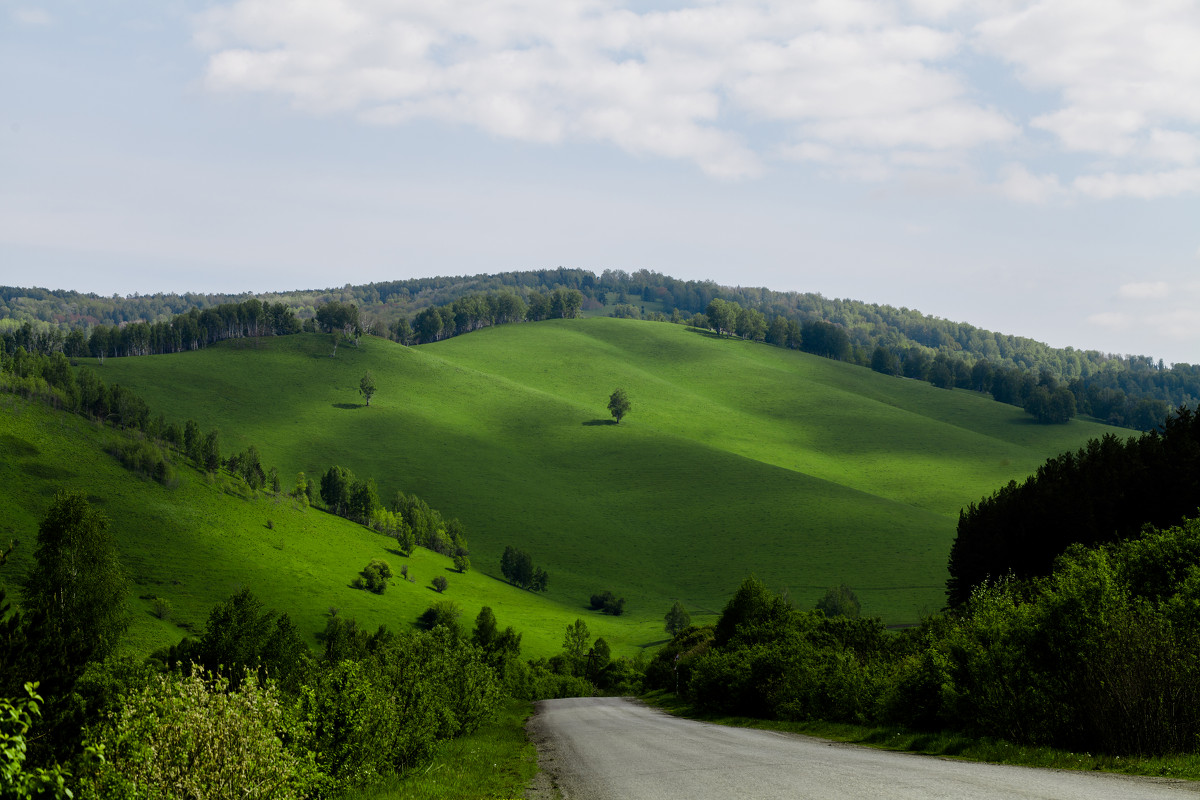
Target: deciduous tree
(677,619)
(366,387)
(618,404)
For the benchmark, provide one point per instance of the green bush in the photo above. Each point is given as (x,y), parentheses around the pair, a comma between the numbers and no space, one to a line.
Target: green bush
(374,577)
(443,613)
(18,781)
(192,737)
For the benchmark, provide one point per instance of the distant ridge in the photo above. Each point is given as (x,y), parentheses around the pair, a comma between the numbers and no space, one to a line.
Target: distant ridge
(1131,391)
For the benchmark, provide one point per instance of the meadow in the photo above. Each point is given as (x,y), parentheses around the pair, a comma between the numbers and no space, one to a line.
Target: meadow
(205,538)
(736,458)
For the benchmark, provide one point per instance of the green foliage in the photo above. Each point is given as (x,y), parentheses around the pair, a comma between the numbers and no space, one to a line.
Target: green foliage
(17,779)
(439,583)
(442,614)
(1107,490)
(608,603)
(374,577)
(367,387)
(162,607)
(498,761)
(335,488)
(840,601)
(1051,407)
(575,646)
(363,500)
(517,568)
(248,466)
(145,458)
(618,404)
(210,451)
(676,619)
(826,339)
(195,737)
(240,636)
(76,592)
(335,316)
(671,666)
(383,713)
(1101,655)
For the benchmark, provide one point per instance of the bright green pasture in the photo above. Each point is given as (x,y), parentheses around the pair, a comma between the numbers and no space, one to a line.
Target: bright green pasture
(736,458)
(204,539)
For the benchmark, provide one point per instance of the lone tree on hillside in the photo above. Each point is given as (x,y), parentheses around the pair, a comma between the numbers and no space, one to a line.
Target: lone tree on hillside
(677,619)
(366,387)
(618,404)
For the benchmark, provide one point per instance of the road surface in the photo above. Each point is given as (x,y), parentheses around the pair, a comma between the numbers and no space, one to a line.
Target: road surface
(611,749)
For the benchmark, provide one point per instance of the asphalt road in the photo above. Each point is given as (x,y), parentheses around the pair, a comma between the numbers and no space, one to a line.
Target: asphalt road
(613,749)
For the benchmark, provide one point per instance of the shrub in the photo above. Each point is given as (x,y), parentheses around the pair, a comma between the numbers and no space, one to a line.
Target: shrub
(840,601)
(191,737)
(444,613)
(162,607)
(374,577)
(16,717)
(607,602)
(440,583)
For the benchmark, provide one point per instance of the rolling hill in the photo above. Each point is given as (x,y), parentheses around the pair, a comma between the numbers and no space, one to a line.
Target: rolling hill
(736,458)
(205,538)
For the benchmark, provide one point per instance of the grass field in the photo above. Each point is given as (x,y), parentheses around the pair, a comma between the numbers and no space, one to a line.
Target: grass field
(736,458)
(204,539)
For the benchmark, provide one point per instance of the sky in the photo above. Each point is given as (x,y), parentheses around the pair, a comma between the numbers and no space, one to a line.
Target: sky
(1027,167)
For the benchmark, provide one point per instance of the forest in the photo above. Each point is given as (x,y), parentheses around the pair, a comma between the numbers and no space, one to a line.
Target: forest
(1132,391)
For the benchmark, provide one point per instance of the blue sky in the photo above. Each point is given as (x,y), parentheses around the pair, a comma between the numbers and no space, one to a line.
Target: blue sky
(1028,167)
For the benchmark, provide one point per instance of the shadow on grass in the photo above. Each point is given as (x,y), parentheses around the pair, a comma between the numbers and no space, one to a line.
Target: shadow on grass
(347,405)
(593,422)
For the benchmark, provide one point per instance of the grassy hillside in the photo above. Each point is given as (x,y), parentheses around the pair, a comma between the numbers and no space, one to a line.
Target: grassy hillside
(203,539)
(736,457)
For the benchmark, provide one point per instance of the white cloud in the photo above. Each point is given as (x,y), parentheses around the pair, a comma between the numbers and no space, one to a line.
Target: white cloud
(691,83)
(866,88)
(1125,73)
(1114,320)
(1180,323)
(32,16)
(1018,183)
(1143,185)
(1148,290)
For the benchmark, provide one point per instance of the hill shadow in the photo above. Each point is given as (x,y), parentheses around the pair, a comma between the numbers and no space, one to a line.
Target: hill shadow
(348,405)
(592,422)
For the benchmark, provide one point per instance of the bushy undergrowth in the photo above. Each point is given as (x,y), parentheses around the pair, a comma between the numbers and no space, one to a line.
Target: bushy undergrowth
(183,737)
(1101,656)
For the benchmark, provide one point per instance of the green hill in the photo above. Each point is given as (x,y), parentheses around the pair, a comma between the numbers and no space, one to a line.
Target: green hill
(203,539)
(736,457)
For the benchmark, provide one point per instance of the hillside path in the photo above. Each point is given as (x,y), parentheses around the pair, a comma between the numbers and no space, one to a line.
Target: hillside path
(613,749)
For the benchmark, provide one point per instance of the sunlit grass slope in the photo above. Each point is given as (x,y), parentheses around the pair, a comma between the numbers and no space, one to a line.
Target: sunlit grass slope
(204,539)
(737,458)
